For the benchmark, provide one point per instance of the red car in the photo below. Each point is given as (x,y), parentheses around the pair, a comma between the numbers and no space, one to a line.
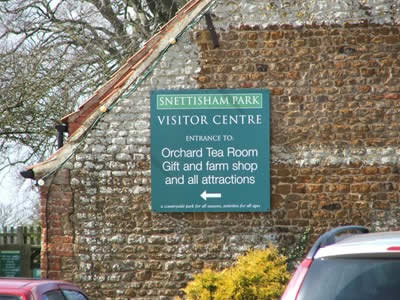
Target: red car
(35,289)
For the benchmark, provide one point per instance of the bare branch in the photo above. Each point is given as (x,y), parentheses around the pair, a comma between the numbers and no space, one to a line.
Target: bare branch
(54,55)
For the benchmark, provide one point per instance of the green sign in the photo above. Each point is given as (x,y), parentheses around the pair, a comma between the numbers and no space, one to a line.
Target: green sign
(210,150)
(10,264)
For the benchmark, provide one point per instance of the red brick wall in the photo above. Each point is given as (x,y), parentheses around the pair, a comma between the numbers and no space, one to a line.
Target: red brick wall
(57,229)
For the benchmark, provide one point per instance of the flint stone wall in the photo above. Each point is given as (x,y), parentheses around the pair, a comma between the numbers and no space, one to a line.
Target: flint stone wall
(335,112)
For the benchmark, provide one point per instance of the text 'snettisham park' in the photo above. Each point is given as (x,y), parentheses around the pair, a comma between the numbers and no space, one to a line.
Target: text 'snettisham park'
(210,150)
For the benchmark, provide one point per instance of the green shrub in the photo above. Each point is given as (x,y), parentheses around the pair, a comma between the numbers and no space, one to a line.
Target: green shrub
(203,286)
(260,274)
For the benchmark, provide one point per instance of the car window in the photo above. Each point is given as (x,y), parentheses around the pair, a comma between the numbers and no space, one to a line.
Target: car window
(74,295)
(53,295)
(352,279)
(8,297)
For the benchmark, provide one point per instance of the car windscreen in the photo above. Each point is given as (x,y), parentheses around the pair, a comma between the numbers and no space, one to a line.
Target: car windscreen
(73,295)
(352,279)
(8,297)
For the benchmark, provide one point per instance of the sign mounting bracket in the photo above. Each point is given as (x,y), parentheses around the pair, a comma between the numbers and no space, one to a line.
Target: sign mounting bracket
(211,28)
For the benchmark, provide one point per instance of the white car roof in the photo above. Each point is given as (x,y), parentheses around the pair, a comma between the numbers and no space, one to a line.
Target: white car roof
(380,243)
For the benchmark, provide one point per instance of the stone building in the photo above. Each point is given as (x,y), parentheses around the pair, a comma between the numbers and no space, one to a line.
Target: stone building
(332,69)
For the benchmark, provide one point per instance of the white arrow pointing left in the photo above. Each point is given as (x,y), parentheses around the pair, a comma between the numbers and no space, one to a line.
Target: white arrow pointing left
(206,195)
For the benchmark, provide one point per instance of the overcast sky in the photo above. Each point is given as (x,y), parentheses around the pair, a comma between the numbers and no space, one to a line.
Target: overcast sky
(9,185)
(18,192)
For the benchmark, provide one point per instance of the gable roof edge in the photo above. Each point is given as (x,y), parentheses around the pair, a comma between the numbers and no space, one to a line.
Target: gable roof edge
(112,92)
